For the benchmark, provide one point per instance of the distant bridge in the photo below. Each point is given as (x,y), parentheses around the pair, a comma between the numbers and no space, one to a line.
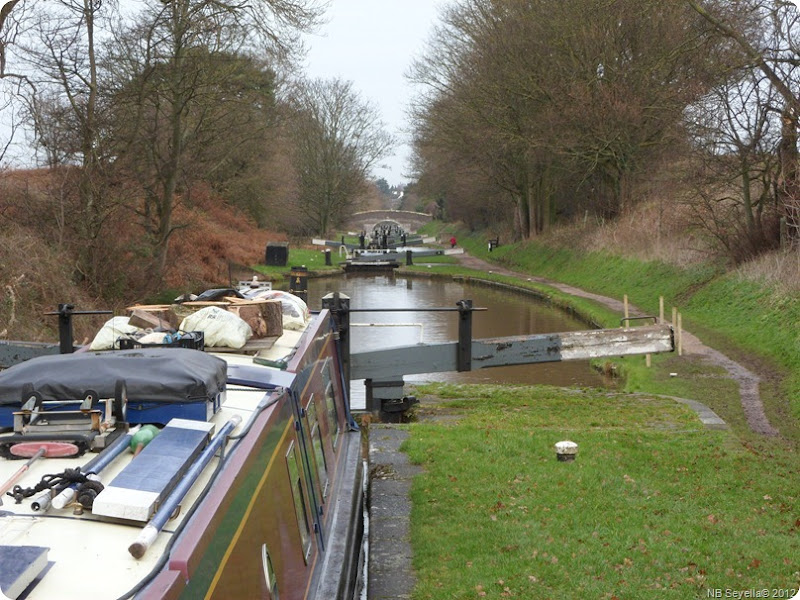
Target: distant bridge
(410,221)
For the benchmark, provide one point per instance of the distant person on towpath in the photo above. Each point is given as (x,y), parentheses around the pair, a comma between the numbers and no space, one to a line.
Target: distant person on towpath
(453,242)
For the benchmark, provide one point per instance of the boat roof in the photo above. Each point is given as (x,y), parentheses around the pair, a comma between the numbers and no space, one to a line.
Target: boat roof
(75,539)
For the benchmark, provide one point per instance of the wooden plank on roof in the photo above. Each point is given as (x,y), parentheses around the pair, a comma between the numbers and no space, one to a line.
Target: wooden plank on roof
(204,303)
(252,345)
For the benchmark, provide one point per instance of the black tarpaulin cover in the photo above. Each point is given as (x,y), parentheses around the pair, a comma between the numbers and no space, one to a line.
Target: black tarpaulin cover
(150,374)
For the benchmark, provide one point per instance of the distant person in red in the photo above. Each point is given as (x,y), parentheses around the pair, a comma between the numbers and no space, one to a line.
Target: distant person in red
(453,242)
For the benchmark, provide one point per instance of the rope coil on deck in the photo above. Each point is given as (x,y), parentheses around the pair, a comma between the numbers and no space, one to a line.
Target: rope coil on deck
(50,481)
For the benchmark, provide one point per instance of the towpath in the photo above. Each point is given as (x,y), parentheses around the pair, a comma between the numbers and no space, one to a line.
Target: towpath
(747,381)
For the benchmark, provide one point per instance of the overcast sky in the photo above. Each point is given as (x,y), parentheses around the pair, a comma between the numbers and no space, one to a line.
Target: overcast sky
(372,43)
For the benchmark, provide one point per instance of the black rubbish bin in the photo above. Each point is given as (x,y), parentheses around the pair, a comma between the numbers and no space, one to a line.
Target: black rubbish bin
(277,254)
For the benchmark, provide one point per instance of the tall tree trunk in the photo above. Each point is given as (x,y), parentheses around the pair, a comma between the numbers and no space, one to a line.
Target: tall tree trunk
(789,191)
(524,212)
(747,200)
(91,218)
(543,199)
(5,10)
(172,167)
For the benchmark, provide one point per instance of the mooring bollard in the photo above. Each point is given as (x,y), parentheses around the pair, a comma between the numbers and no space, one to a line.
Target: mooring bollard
(566,451)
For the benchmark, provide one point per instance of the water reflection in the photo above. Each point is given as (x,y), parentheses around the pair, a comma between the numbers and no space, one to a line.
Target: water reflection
(508,314)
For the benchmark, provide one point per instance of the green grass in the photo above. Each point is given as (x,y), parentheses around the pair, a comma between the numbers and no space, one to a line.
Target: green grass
(614,276)
(747,321)
(654,506)
(695,380)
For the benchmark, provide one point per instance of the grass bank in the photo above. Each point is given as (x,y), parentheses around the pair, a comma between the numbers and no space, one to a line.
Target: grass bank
(753,324)
(654,506)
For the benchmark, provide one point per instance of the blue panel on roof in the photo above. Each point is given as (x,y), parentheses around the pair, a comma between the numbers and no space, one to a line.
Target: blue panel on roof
(146,482)
(163,460)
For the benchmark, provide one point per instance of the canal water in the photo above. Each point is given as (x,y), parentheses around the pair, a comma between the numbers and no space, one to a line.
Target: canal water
(507,314)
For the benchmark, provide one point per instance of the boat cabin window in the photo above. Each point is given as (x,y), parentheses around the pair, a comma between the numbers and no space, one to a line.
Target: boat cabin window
(269,574)
(319,452)
(299,499)
(333,412)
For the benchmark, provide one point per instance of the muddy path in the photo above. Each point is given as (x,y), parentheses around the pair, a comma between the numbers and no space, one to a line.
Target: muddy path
(747,381)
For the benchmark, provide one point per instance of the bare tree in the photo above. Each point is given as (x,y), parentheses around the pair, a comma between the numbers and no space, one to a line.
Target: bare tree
(469,120)
(13,84)
(560,91)
(61,55)
(768,34)
(736,132)
(183,86)
(337,138)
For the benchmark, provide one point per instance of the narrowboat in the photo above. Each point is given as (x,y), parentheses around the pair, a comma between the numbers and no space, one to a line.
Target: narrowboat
(186,467)
(169,471)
